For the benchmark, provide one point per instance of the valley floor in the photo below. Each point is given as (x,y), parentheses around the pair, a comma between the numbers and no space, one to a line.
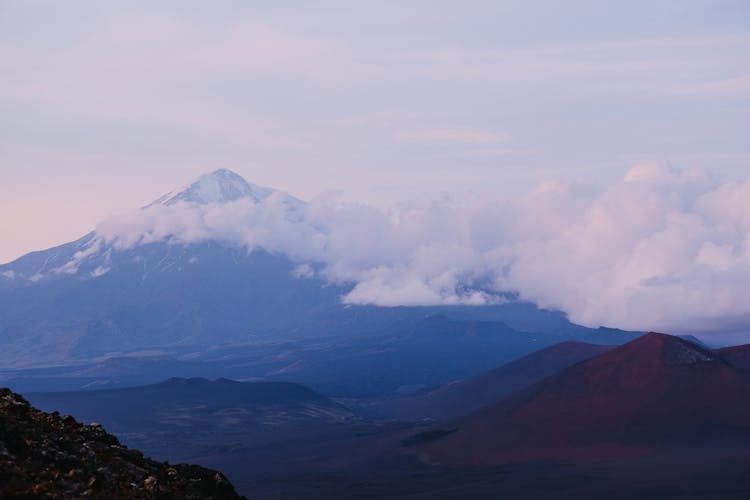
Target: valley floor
(341,467)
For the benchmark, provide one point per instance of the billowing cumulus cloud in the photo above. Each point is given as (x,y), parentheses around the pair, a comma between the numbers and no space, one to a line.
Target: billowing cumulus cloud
(270,224)
(662,249)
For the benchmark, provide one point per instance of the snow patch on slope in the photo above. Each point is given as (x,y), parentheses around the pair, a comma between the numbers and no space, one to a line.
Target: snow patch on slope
(71,267)
(100,271)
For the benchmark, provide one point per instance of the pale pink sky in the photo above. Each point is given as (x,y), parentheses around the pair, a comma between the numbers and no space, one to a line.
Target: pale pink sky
(106,105)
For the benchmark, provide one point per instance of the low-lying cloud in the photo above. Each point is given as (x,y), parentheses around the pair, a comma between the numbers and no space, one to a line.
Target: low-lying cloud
(663,249)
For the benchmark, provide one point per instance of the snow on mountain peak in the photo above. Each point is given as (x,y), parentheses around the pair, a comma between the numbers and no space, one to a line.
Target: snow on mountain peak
(219,206)
(219,186)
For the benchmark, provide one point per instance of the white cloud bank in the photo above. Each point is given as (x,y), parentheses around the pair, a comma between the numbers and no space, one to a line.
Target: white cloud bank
(663,249)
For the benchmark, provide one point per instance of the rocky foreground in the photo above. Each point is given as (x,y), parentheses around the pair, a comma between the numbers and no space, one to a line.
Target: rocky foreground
(45,455)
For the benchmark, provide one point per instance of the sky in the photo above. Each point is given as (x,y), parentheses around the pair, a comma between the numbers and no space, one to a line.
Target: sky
(104,106)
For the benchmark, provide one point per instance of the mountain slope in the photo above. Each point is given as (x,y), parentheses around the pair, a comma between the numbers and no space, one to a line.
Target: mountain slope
(430,351)
(738,356)
(395,356)
(654,392)
(181,418)
(127,408)
(464,396)
(47,456)
(160,294)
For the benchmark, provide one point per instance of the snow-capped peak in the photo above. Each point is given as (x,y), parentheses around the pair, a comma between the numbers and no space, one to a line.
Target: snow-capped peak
(201,211)
(219,186)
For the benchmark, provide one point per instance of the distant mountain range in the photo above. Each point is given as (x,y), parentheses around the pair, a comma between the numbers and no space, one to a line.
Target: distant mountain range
(399,356)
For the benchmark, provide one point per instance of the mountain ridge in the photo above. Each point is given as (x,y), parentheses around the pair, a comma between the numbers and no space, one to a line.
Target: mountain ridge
(464,396)
(53,456)
(653,392)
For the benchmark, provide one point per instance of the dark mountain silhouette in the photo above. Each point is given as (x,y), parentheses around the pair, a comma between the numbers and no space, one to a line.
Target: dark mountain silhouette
(404,355)
(181,417)
(653,393)
(45,455)
(464,396)
(695,340)
(196,401)
(424,353)
(738,356)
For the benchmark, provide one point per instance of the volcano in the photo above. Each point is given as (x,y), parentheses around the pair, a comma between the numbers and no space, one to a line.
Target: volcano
(654,393)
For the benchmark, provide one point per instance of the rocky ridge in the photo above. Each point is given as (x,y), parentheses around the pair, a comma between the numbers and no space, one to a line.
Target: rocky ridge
(46,455)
